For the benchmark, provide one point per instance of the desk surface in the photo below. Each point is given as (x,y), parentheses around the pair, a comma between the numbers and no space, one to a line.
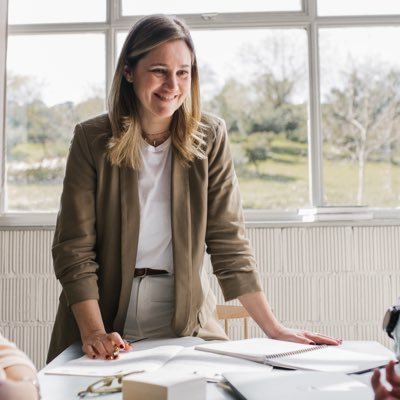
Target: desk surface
(63,387)
(66,387)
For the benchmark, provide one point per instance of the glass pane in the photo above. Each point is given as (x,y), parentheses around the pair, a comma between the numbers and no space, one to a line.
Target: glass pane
(360,89)
(46,97)
(365,7)
(51,11)
(257,80)
(130,7)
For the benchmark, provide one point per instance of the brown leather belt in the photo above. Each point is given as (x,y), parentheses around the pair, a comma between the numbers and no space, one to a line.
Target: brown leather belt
(148,271)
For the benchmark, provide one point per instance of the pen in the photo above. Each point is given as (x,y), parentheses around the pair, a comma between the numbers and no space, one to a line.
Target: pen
(136,340)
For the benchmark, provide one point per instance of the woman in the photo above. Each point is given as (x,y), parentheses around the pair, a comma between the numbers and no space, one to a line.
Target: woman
(148,188)
(18,380)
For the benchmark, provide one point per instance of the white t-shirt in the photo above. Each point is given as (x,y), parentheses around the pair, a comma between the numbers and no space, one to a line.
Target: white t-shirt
(155,235)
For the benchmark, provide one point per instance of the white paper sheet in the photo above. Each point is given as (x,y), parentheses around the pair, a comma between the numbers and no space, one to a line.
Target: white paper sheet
(132,361)
(211,366)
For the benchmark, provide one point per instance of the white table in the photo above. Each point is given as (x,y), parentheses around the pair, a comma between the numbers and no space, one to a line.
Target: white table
(67,387)
(62,387)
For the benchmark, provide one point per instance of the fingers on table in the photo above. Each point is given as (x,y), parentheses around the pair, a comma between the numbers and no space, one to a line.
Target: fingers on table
(128,346)
(303,338)
(96,349)
(318,338)
(116,340)
(106,346)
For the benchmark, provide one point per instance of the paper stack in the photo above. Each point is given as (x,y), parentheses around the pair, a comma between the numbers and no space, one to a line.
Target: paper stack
(335,213)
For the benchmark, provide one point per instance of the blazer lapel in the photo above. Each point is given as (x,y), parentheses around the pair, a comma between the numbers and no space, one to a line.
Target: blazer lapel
(181,242)
(130,220)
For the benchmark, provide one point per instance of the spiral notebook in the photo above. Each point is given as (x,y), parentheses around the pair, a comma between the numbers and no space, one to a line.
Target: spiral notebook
(303,356)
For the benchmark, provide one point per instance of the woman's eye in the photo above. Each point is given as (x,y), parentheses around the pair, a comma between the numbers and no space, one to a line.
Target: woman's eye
(183,73)
(158,71)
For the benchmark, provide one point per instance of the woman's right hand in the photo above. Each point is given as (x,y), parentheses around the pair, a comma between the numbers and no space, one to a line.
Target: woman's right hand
(103,345)
(96,342)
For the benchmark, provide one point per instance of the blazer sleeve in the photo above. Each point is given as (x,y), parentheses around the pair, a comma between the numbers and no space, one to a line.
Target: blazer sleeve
(74,242)
(231,255)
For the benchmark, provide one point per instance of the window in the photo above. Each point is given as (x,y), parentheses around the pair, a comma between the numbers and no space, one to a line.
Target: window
(360,87)
(310,92)
(257,81)
(370,7)
(208,6)
(50,11)
(53,81)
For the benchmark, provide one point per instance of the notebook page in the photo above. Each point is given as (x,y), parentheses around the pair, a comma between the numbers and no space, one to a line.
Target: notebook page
(331,359)
(135,360)
(255,349)
(211,366)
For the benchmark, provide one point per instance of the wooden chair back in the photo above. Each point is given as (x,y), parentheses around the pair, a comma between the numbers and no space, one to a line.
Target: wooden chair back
(226,312)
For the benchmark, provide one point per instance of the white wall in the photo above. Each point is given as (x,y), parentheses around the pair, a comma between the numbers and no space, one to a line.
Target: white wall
(337,280)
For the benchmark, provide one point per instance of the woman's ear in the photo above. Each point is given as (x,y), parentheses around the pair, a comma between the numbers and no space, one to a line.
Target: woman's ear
(128,74)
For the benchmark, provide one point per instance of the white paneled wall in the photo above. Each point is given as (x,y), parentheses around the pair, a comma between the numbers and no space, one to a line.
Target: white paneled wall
(335,280)
(28,289)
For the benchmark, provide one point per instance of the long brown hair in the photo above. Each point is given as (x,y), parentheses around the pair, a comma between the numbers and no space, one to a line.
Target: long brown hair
(187,136)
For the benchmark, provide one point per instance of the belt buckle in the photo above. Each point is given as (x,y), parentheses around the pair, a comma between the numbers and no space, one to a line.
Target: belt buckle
(141,272)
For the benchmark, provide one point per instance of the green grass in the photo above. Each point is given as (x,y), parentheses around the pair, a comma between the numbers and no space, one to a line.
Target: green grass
(280,182)
(33,197)
(381,188)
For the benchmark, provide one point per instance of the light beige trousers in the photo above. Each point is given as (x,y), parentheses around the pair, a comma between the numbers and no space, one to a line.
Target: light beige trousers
(151,307)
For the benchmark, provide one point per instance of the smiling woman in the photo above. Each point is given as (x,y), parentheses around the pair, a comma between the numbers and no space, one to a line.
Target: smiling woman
(155,90)
(136,217)
(161,81)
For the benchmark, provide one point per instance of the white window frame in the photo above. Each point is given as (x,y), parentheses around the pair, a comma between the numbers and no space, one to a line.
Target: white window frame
(3,54)
(306,18)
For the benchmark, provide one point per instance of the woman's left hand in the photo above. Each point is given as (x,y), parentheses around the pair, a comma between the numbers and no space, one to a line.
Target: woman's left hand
(301,336)
(257,306)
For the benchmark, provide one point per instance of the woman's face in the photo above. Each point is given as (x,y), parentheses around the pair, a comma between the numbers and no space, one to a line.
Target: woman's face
(162,80)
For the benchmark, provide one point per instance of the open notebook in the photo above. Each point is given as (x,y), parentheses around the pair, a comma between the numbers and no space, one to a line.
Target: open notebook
(176,355)
(302,356)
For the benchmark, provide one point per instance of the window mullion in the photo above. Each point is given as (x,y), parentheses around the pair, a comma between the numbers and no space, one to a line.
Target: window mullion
(314,130)
(110,59)
(3,57)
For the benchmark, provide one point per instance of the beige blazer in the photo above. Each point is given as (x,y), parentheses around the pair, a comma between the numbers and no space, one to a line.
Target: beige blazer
(95,242)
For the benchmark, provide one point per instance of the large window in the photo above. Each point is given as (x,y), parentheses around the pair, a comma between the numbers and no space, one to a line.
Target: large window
(310,92)
(53,81)
(360,87)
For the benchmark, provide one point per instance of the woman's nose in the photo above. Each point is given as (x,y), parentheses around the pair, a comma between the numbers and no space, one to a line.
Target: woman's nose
(171,81)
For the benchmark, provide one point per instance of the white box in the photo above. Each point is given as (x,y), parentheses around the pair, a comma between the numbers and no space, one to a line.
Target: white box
(163,385)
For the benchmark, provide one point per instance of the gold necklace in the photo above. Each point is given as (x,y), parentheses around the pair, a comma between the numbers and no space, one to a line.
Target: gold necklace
(160,137)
